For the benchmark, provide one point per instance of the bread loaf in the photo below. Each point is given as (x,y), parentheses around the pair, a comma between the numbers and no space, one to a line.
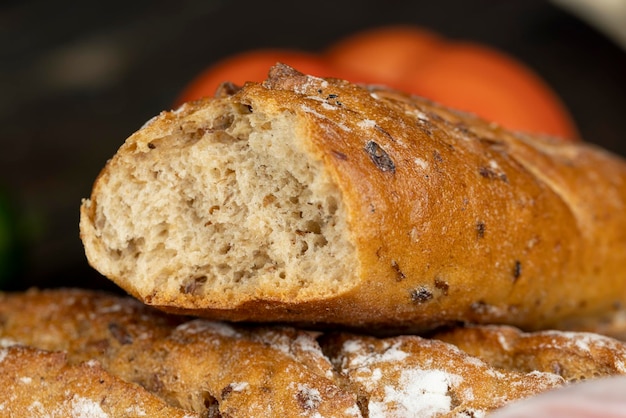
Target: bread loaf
(38,383)
(318,201)
(68,352)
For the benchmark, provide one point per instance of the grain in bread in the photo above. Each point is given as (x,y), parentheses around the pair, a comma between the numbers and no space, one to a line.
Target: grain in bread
(319,201)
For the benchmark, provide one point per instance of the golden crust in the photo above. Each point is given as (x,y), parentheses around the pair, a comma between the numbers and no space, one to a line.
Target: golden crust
(453,218)
(412,376)
(572,355)
(216,369)
(202,366)
(474,223)
(43,383)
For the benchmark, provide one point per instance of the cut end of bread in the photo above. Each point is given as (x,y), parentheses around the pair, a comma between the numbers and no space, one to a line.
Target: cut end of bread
(218,204)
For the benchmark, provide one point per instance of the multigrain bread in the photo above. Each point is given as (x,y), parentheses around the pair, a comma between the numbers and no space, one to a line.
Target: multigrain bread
(207,367)
(319,201)
(575,356)
(69,349)
(39,383)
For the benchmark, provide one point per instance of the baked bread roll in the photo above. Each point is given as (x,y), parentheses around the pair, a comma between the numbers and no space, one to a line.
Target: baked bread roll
(207,367)
(39,383)
(318,201)
(90,349)
(572,355)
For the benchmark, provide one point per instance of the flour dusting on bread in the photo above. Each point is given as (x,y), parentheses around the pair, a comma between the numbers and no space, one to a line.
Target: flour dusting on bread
(172,366)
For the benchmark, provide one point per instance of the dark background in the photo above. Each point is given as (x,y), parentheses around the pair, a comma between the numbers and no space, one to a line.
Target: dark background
(76,78)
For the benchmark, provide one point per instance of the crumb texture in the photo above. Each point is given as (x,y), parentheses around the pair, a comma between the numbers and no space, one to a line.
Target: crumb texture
(229,201)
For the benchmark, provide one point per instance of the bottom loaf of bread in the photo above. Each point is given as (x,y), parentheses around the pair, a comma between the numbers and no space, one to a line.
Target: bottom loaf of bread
(79,353)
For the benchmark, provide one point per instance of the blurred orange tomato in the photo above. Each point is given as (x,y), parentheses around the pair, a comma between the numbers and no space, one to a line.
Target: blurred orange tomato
(463,75)
(387,54)
(478,79)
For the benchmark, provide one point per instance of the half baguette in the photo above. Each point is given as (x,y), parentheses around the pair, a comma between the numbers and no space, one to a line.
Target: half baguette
(319,201)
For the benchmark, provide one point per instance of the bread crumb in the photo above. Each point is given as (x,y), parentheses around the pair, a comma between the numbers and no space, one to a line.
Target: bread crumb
(235,202)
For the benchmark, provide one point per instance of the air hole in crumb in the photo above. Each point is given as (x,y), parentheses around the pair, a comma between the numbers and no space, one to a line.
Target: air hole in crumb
(313,226)
(222,269)
(225,249)
(115,254)
(282,275)
(320,241)
(215,173)
(332,205)
(193,286)
(223,122)
(238,275)
(261,259)
(134,244)
(269,199)
(222,137)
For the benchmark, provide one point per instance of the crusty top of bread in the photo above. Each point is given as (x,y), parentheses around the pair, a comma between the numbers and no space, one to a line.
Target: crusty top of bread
(317,200)
(40,383)
(67,349)
(208,367)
